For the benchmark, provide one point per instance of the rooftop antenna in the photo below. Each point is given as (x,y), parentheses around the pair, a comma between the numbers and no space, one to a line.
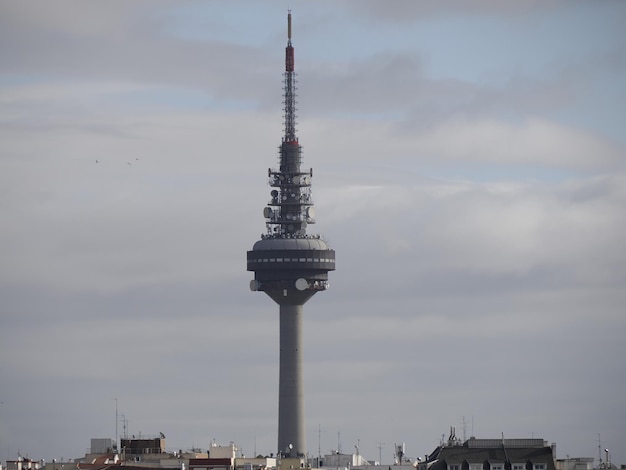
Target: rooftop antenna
(380,452)
(464,427)
(124,425)
(116,422)
(319,441)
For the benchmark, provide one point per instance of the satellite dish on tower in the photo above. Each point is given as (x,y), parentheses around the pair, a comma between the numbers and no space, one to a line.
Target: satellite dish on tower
(302,284)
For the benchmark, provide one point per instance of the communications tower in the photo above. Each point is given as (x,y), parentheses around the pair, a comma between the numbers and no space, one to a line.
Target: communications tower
(289,265)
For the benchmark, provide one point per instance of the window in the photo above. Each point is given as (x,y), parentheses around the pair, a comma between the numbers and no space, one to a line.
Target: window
(518,466)
(497,466)
(455,466)
(539,466)
(476,466)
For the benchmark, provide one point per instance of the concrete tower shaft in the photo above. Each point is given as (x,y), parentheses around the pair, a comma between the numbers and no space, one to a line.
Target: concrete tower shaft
(289,265)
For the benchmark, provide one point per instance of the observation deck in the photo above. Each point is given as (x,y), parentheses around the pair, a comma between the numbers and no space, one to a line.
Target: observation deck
(290,263)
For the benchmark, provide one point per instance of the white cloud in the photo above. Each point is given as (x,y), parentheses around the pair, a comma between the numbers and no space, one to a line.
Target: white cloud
(535,143)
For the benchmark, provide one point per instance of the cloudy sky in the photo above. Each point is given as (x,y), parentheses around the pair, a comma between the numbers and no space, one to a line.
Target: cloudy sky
(469,170)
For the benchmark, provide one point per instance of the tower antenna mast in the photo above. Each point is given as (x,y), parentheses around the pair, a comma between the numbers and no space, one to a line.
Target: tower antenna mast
(289,265)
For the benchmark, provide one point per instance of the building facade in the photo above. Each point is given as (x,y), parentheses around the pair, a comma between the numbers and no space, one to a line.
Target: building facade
(491,454)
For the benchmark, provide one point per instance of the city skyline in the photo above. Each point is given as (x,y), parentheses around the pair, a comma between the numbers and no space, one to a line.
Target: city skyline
(469,170)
